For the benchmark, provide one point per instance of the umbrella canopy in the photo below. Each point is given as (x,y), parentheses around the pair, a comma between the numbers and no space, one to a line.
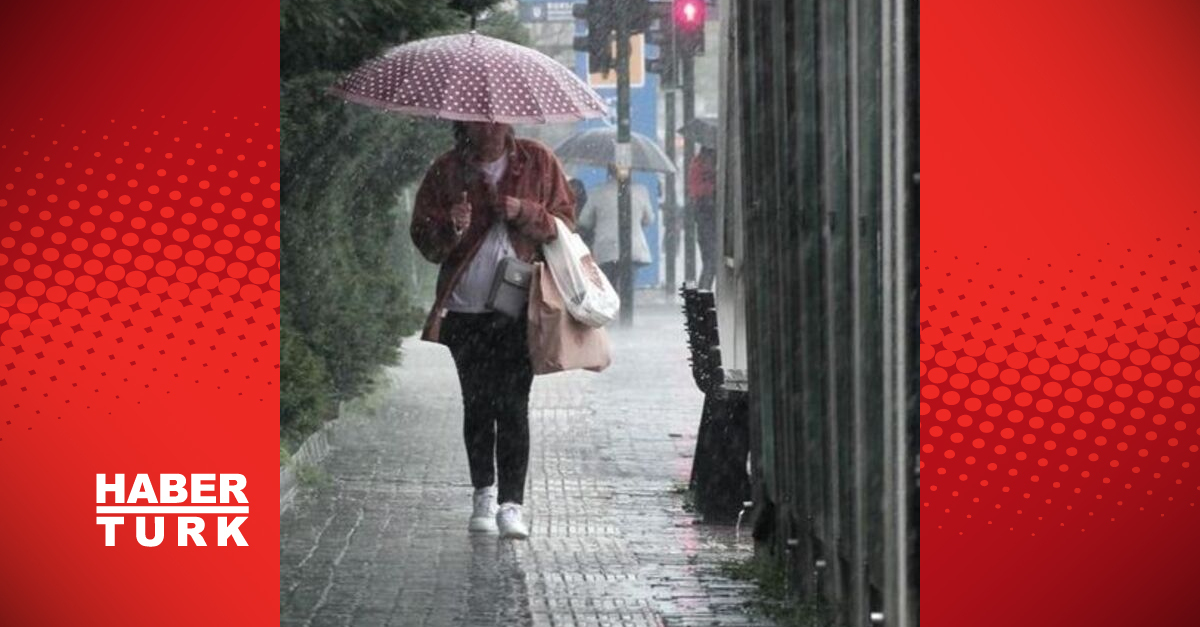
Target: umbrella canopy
(598,146)
(473,78)
(703,131)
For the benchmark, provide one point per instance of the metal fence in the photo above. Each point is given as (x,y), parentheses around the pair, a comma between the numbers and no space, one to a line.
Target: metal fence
(826,227)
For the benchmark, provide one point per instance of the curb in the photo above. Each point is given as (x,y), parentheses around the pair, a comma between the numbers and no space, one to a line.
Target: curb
(315,448)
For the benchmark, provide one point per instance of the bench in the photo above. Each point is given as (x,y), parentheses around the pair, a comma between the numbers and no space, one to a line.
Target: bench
(719,481)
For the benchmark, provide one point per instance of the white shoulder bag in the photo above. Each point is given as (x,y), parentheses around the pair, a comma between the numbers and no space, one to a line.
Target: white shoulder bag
(586,292)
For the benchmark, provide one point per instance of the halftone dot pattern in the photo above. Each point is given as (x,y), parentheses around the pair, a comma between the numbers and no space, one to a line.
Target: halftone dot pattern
(1061,396)
(126,274)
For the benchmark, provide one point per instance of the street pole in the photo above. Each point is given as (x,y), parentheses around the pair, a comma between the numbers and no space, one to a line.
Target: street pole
(623,161)
(670,205)
(689,214)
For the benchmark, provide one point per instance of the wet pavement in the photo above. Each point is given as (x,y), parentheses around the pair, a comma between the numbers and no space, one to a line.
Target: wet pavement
(379,537)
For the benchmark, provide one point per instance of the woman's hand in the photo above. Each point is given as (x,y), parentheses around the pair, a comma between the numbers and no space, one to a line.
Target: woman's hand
(460,214)
(510,207)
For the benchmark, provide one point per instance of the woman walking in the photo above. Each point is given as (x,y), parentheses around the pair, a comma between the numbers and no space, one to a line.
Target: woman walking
(600,216)
(492,196)
(702,193)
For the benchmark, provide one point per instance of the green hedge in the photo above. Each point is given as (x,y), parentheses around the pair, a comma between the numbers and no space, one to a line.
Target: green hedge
(352,286)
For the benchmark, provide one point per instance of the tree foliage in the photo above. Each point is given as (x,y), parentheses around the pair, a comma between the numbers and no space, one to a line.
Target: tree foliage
(345,300)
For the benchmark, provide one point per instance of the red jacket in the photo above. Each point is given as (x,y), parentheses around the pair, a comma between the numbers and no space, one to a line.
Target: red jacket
(534,176)
(702,177)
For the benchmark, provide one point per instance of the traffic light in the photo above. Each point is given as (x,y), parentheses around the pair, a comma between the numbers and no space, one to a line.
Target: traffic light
(656,20)
(666,66)
(598,43)
(688,16)
(647,15)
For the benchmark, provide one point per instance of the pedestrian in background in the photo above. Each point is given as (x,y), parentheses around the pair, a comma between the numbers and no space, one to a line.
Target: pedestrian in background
(600,216)
(492,196)
(581,198)
(702,196)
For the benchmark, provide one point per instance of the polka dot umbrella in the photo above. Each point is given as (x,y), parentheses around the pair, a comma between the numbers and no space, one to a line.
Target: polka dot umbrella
(471,77)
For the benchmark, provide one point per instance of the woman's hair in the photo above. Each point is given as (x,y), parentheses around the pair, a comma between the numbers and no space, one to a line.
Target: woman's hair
(580,192)
(461,139)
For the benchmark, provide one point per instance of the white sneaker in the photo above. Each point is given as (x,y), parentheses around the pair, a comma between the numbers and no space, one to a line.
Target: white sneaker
(483,518)
(508,519)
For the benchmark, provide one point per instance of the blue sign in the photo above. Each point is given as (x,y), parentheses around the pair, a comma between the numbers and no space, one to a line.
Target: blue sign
(546,11)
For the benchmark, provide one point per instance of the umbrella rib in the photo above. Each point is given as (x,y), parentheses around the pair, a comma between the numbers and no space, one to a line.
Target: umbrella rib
(406,80)
(462,74)
(524,78)
(488,101)
(563,78)
(580,99)
(453,83)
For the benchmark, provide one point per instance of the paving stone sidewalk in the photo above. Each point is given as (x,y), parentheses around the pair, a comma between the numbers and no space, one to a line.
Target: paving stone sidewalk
(380,537)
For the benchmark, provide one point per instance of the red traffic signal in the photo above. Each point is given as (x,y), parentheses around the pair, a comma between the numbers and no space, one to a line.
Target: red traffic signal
(689,14)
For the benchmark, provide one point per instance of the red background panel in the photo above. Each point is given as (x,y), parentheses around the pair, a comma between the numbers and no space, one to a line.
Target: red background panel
(1060,342)
(138,301)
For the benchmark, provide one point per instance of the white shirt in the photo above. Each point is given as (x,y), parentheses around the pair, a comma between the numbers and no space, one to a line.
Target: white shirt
(493,170)
(471,293)
(600,214)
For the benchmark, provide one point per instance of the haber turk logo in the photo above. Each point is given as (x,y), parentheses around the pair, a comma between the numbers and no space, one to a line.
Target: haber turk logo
(185,498)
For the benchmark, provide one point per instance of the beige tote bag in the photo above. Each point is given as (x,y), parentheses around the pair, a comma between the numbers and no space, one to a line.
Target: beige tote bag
(557,341)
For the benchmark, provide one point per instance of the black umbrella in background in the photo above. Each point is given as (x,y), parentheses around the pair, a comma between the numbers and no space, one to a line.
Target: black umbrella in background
(703,131)
(597,147)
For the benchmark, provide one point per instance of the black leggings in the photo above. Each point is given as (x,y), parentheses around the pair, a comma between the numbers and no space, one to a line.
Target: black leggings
(706,239)
(494,372)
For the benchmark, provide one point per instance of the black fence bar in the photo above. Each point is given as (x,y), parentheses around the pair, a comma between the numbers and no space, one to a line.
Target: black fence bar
(828,101)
